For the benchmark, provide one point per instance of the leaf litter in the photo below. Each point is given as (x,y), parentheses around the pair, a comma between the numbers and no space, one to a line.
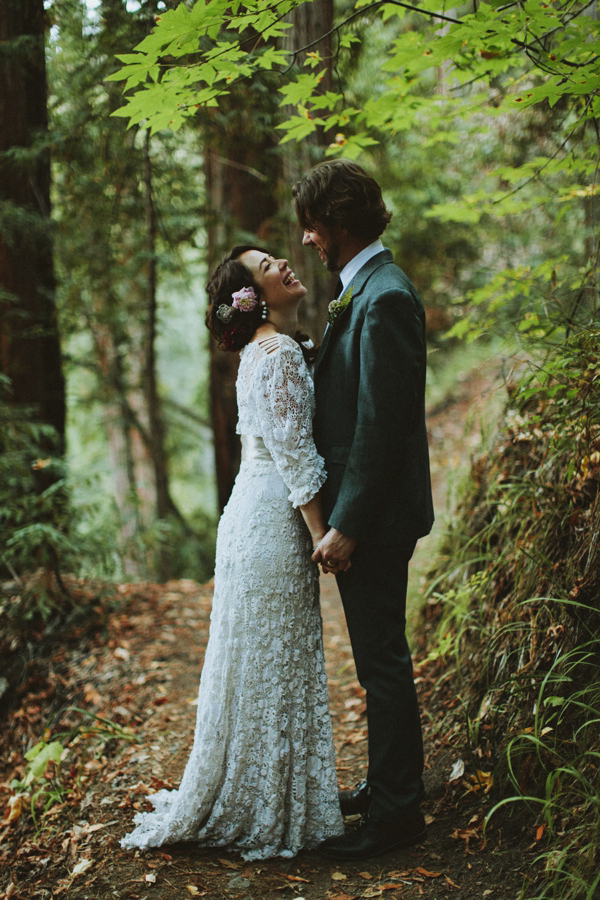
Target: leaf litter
(150,647)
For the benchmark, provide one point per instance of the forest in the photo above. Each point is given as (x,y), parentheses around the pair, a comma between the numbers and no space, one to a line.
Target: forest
(139,140)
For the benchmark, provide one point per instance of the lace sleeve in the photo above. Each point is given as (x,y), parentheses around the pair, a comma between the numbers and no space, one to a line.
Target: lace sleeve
(285,406)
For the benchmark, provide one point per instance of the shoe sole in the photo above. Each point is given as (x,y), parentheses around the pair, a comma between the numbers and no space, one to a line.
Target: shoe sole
(398,845)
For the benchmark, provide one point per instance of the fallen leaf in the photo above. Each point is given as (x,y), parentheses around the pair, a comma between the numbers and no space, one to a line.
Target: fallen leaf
(150,878)
(82,866)
(121,653)
(13,811)
(372,892)
(540,832)
(294,878)
(228,864)
(90,829)
(192,890)
(450,882)
(486,779)
(458,770)
(91,695)
(339,876)
(428,874)
(366,875)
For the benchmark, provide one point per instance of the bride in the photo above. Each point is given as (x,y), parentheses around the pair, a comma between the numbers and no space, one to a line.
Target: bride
(261,775)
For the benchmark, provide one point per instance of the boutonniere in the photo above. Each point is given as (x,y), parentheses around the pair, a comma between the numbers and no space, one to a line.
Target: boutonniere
(337,306)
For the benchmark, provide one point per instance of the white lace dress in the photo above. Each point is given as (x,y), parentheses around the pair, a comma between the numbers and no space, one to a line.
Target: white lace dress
(261,775)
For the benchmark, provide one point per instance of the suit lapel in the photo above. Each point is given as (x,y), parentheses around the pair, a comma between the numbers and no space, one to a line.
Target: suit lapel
(356,285)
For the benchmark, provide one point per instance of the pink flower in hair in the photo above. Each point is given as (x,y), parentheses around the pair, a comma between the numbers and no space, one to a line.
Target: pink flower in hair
(245,299)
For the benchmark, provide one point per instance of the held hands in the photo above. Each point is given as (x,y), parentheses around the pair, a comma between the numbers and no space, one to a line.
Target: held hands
(333,551)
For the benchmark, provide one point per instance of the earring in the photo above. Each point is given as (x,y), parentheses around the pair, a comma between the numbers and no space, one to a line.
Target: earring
(264,312)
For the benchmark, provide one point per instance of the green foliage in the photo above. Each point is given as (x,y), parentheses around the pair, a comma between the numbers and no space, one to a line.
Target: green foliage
(517,585)
(563,741)
(43,787)
(40,529)
(35,785)
(33,521)
(108,183)
(502,97)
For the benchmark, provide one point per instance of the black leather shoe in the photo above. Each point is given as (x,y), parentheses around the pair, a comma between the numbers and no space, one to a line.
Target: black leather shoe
(356,802)
(375,837)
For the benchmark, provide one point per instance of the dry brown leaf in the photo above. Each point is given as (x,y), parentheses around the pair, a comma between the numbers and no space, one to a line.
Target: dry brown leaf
(91,695)
(192,890)
(338,876)
(540,832)
(82,866)
(341,896)
(451,883)
(366,875)
(294,878)
(13,810)
(428,874)
(228,864)
(372,892)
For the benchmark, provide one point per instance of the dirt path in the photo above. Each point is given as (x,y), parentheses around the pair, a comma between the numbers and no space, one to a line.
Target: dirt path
(141,672)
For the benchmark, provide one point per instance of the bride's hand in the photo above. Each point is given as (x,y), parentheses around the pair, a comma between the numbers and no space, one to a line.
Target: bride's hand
(327,567)
(333,551)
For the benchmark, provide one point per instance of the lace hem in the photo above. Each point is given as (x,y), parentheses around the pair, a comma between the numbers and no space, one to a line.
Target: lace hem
(301,495)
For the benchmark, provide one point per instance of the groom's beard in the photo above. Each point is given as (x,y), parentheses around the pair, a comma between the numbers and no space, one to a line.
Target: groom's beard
(332,255)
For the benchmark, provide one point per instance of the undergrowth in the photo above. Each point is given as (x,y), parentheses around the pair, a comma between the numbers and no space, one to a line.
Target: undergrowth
(514,601)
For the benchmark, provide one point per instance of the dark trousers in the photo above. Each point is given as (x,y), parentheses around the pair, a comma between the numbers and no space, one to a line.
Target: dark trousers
(373,593)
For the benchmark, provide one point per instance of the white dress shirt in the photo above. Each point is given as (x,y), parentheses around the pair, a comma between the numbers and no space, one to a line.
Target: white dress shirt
(358,261)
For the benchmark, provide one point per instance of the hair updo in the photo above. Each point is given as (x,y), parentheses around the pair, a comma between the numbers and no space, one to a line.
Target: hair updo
(230,276)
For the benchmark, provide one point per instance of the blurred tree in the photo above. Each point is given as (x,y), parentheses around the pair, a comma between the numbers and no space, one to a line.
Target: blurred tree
(242,176)
(443,82)
(125,202)
(248,194)
(311,28)
(29,343)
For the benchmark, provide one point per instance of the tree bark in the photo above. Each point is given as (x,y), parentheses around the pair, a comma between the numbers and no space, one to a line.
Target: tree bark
(249,182)
(310,21)
(29,342)
(242,178)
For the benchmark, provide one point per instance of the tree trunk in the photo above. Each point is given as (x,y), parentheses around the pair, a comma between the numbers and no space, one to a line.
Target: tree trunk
(310,21)
(29,343)
(242,170)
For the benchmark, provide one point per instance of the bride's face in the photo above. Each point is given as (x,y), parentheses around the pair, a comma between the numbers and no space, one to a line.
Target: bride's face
(279,287)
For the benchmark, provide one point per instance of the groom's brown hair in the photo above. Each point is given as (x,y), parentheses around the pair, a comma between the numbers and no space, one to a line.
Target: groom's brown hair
(340,192)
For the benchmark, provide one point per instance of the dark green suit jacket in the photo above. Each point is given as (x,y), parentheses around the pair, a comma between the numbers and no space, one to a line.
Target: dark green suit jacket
(370,410)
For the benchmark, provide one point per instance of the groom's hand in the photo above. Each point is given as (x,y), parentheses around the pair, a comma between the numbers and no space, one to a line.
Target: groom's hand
(334,551)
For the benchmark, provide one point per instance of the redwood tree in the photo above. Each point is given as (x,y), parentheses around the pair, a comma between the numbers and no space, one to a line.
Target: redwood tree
(249,179)
(29,343)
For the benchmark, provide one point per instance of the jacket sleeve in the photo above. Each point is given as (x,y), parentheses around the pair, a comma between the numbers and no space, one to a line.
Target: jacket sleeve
(285,408)
(389,407)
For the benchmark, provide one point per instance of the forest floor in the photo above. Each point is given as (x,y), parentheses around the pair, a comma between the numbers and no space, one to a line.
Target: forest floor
(140,671)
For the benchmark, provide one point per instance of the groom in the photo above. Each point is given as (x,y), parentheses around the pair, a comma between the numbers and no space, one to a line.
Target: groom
(370,428)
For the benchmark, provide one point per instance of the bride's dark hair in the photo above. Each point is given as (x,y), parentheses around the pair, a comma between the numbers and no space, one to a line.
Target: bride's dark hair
(232,275)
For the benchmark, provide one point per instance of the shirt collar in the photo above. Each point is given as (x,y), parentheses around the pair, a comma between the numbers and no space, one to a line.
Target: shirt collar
(357,262)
